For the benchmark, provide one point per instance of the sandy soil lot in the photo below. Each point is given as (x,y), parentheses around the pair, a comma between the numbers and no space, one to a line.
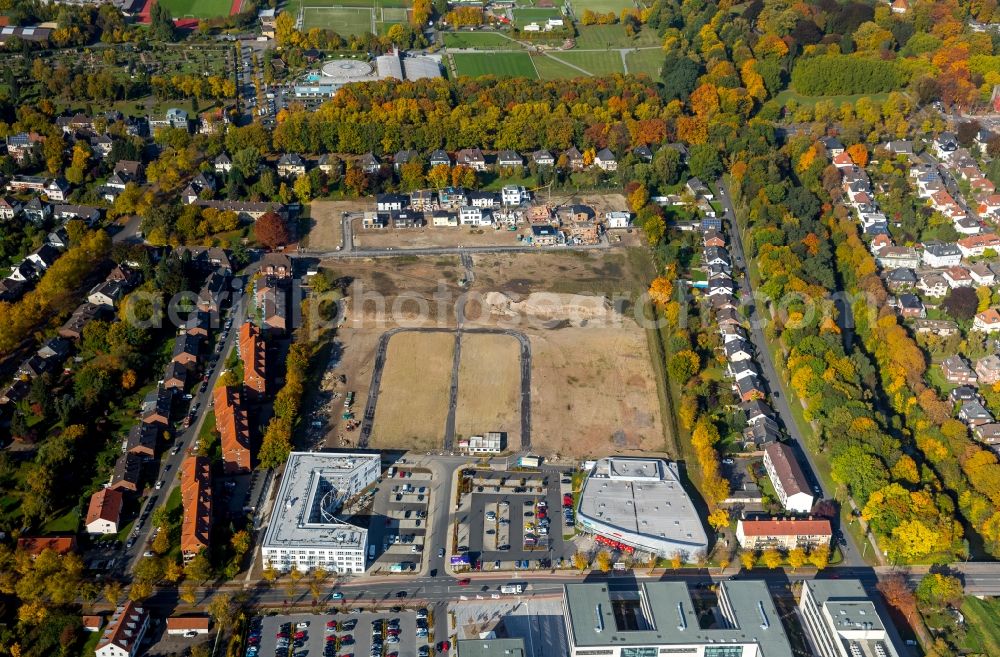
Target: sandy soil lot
(356,363)
(429,236)
(413,400)
(489,387)
(593,392)
(325,233)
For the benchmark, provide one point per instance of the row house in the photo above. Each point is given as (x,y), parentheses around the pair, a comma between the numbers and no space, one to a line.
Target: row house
(783,533)
(253,353)
(976,245)
(234,428)
(196,499)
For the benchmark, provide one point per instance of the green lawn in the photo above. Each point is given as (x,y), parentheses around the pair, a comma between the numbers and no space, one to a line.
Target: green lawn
(613,36)
(90,644)
(597,63)
(197,8)
(480,40)
(512,64)
(342,20)
(535,15)
(645,61)
(67,523)
(982,620)
(551,69)
(787,95)
(602,6)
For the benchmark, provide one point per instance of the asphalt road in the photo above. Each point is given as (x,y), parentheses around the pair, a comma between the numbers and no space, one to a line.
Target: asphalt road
(779,396)
(170,463)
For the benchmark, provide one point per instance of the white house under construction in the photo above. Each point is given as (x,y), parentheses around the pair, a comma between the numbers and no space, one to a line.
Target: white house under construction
(305,531)
(638,504)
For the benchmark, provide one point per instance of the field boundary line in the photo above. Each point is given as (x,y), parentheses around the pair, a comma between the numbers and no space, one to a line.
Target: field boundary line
(582,70)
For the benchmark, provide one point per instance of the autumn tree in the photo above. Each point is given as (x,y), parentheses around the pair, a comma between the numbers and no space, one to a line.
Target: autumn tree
(859,154)
(580,561)
(961,303)
(937,590)
(356,181)
(748,559)
(820,557)
(272,231)
(796,558)
(897,594)
(604,561)
(771,558)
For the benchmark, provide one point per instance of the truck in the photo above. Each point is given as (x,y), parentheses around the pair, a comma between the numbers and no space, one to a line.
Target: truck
(512,589)
(391,472)
(529,461)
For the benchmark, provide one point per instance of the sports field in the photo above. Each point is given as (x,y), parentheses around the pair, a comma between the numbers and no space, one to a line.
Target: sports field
(534,15)
(480,40)
(602,6)
(613,36)
(551,69)
(508,64)
(595,62)
(649,62)
(197,8)
(350,17)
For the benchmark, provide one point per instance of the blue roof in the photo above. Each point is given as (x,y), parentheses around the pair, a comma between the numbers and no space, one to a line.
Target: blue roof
(543,231)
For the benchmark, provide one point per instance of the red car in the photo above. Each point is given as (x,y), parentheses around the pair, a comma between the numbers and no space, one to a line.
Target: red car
(281,635)
(464,582)
(444,646)
(300,635)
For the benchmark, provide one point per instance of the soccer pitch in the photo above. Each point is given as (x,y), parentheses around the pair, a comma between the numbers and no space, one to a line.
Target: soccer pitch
(197,8)
(349,20)
(507,64)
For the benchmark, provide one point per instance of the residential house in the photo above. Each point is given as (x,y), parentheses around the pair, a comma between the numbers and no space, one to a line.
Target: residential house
(198,324)
(976,245)
(783,533)
(742,369)
(276,264)
(483,199)
(35,545)
(452,198)
(58,238)
(107,293)
(83,315)
(390,202)
(987,321)
(423,200)
(142,440)
(698,189)
(945,145)
(542,235)
(643,153)
(196,498)
(404,157)
(842,161)
(717,255)
(514,195)
(369,163)
(330,164)
(9,208)
(183,625)
(22,144)
(756,411)
(472,158)
(973,413)
(102,144)
(900,6)
(941,327)
(156,406)
(982,275)
(750,388)
(186,350)
(213,293)
(606,160)
(616,219)
(473,216)
(713,238)
(902,278)
(543,158)
(174,118)
(253,353)
(375,220)
(832,145)
(291,165)
(104,512)
(574,159)
(932,284)
(440,158)
(939,255)
(272,299)
(509,159)
(234,428)
(85,213)
(36,211)
(44,257)
(963,394)
(988,433)
(910,306)
(444,219)
(710,223)
(899,147)
(25,184)
(126,474)
(91,622)
(738,350)
(406,219)
(207,259)
(761,434)
(124,634)
(175,375)
(222,164)
(892,257)
(988,369)
(787,478)
(957,371)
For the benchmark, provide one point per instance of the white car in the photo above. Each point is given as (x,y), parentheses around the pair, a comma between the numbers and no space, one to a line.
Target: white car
(302,625)
(159,484)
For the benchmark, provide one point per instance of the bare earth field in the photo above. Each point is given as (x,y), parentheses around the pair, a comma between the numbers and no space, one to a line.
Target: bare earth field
(325,232)
(413,401)
(429,236)
(593,392)
(356,363)
(489,387)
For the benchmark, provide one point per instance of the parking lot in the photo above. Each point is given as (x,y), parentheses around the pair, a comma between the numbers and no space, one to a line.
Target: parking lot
(398,527)
(338,635)
(515,520)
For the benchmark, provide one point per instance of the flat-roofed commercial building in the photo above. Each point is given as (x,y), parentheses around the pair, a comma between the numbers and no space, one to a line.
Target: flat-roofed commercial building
(840,620)
(660,618)
(490,648)
(639,504)
(305,530)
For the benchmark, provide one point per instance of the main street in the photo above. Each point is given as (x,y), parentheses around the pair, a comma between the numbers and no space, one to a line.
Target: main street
(779,396)
(169,470)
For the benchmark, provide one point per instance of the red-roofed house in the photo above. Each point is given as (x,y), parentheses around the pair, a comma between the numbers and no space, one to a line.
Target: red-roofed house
(987,321)
(231,421)
(92,623)
(253,353)
(784,534)
(105,511)
(843,161)
(124,633)
(196,497)
(35,545)
(183,624)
